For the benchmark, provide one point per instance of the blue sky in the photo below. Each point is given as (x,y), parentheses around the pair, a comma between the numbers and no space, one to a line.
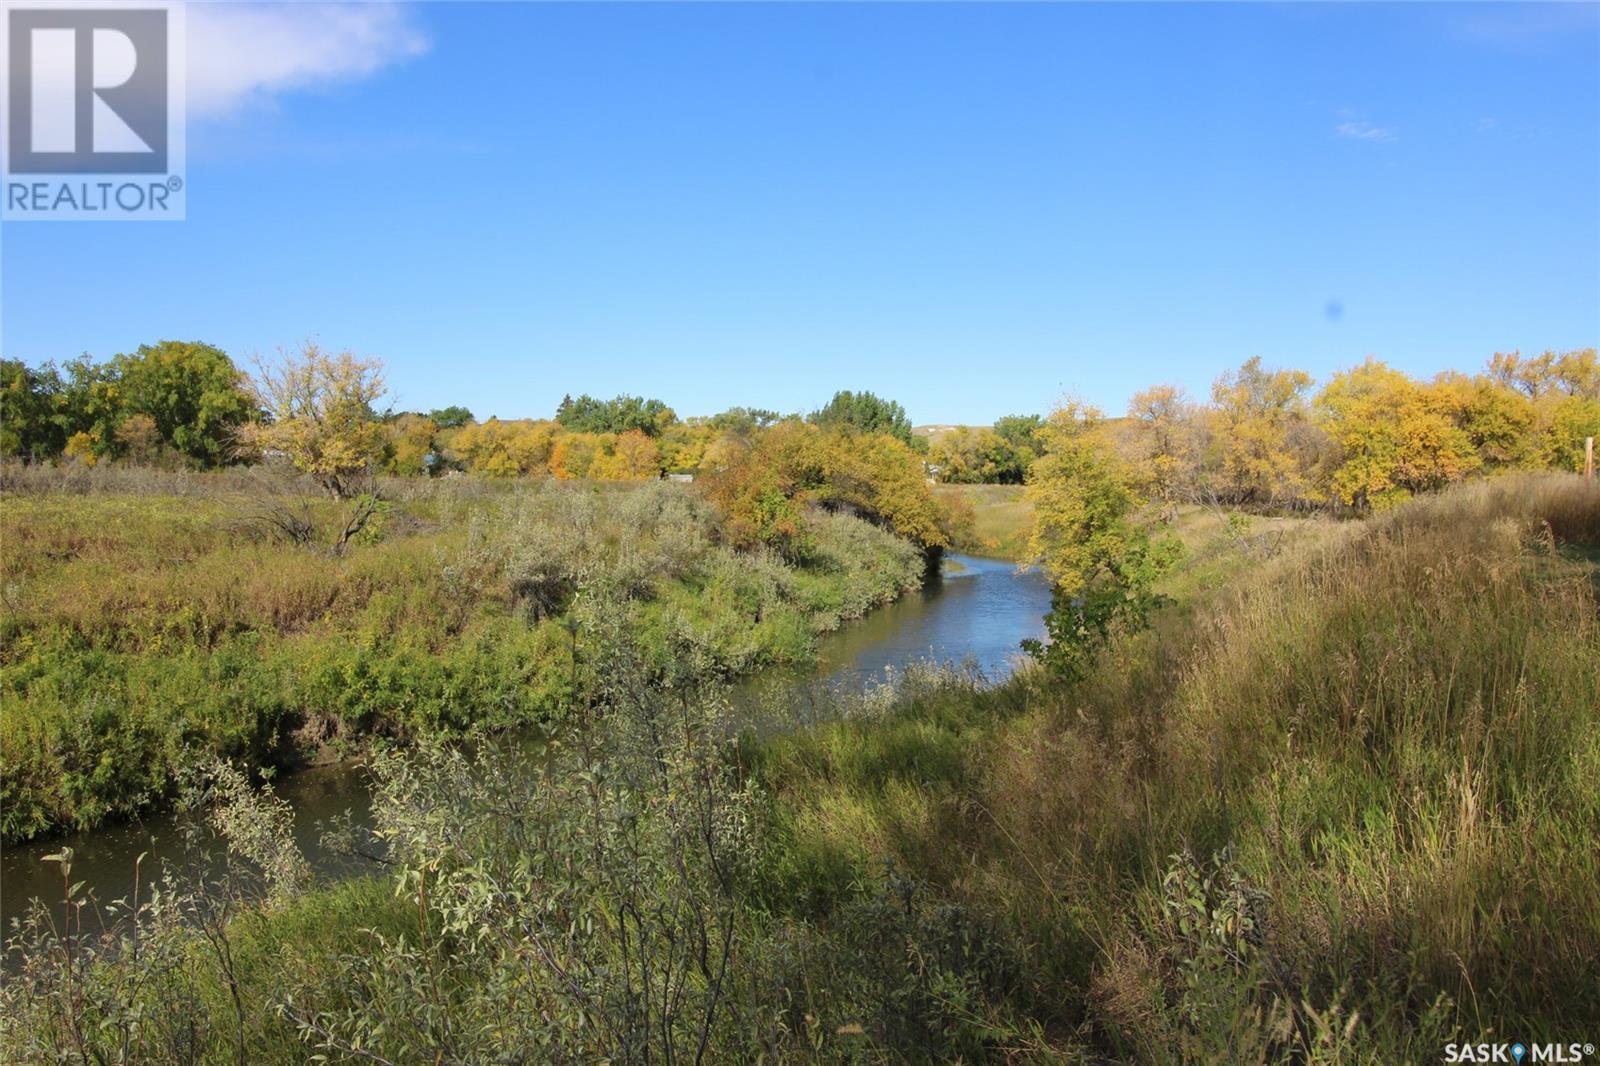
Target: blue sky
(970,208)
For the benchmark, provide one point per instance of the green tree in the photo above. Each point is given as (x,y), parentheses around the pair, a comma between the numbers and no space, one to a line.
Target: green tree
(192,392)
(453,417)
(589,415)
(90,408)
(743,420)
(1021,432)
(1021,436)
(865,412)
(31,426)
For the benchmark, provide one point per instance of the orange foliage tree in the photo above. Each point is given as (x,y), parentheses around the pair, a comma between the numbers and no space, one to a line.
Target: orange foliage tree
(765,488)
(1396,436)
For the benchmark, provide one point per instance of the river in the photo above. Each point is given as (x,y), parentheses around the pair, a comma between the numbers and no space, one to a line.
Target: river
(976,611)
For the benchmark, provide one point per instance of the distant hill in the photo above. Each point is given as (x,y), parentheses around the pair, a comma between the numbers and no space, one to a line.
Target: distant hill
(935,431)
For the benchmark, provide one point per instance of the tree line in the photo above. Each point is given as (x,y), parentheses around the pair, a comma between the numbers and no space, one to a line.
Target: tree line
(1369,438)
(187,403)
(176,400)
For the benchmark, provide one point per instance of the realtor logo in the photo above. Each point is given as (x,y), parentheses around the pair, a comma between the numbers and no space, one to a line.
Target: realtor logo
(93,92)
(88,92)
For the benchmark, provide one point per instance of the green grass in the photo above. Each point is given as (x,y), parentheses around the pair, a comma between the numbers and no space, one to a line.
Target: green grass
(148,619)
(1002,519)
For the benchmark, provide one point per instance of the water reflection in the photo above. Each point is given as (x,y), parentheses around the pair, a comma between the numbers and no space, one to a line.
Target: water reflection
(977,612)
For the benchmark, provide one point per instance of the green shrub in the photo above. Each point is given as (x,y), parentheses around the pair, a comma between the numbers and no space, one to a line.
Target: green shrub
(139,630)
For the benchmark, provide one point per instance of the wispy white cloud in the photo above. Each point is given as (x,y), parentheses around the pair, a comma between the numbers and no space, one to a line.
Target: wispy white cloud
(1487,124)
(246,54)
(1359,129)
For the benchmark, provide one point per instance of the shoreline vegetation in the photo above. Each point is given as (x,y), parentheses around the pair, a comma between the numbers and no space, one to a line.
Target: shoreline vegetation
(156,618)
(198,564)
(1303,771)
(1252,830)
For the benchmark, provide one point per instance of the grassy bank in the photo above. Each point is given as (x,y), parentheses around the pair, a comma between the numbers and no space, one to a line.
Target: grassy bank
(1215,539)
(149,618)
(1344,806)
(1001,519)
(1337,808)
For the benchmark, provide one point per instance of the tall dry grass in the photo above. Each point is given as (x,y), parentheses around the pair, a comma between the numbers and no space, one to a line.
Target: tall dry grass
(1341,808)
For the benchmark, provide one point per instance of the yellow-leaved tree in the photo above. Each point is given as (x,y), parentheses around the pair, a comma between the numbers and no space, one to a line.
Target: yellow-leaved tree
(322,416)
(1258,429)
(1165,442)
(411,444)
(1499,420)
(683,445)
(766,486)
(629,456)
(1564,389)
(1083,497)
(513,448)
(1103,563)
(573,454)
(1396,436)
(882,475)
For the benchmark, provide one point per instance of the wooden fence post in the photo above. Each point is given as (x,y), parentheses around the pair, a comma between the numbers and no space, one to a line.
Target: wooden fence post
(1588,457)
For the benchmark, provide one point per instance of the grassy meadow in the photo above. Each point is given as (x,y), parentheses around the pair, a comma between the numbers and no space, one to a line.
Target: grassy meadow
(151,616)
(1336,806)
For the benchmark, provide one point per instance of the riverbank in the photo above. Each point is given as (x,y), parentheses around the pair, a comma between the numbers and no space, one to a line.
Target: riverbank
(1214,539)
(1338,808)
(143,628)
(972,615)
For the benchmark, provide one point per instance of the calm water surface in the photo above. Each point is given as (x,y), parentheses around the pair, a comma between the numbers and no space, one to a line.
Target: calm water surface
(977,611)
